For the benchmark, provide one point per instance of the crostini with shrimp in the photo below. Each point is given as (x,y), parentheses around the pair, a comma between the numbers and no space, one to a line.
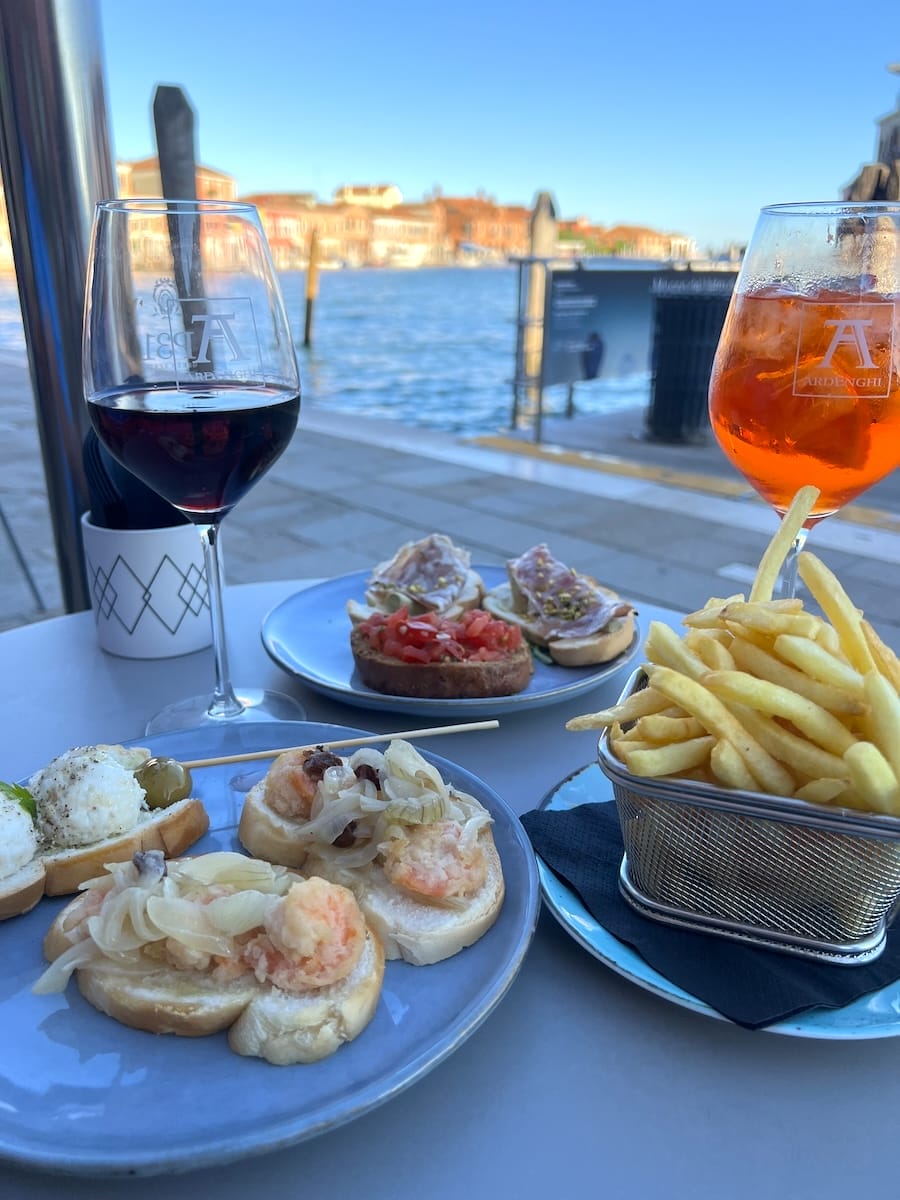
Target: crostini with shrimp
(192,946)
(417,852)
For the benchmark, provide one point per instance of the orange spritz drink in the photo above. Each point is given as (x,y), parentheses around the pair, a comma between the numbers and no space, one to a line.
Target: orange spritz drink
(805,385)
(805,389)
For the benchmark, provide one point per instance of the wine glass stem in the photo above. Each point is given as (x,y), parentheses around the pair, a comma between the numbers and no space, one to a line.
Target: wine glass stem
(224,702)
(788,587)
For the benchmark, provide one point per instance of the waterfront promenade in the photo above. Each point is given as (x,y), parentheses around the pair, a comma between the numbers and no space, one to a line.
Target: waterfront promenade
(662,524)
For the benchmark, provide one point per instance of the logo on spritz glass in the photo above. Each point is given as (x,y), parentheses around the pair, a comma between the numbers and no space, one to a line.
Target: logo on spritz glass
(203,334)
(165,297)
(844,350)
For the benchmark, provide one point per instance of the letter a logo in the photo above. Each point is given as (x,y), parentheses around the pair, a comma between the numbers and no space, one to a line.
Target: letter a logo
(858,350)
(218,326)
(850,333)
(203,331)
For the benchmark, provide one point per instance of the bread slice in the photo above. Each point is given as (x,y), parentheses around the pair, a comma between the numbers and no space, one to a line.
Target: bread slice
(159,999)
(285,1028)
(263,1021)
(265,834)
(21,891)
(451,680)
(414,930)
(171,830)
(567,652)
(164,1000)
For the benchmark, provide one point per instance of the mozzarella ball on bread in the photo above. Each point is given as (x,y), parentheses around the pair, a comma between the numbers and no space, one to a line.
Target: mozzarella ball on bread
(86,795)
(18,840)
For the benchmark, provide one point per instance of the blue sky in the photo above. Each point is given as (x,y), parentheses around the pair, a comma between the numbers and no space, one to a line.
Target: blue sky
(684,117)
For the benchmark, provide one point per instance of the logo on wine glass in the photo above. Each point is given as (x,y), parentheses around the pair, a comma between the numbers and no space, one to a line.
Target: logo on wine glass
(203,334)
(844,350)
(165,297)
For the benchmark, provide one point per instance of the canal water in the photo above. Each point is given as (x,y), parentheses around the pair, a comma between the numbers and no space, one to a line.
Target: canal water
(433,348)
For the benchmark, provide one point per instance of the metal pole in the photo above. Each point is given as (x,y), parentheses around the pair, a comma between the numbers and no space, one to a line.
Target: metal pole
(56,162)
(520,344)
(22,561)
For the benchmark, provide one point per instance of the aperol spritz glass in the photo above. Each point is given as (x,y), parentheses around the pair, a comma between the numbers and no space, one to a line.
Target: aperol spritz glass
(805,386)
(191,383)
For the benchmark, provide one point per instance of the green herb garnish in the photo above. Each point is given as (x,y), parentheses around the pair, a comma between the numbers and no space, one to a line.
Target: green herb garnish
(541,654)
(21,796)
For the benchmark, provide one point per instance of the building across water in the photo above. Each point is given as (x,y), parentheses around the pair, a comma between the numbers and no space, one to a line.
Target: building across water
(371,225)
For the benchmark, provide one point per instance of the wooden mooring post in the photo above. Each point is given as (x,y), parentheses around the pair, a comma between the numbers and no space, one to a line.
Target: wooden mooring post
(174,120)
(528,385)
(312,285)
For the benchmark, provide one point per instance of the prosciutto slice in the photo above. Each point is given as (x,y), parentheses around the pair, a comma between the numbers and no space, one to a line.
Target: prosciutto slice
(428,574)
(556,601)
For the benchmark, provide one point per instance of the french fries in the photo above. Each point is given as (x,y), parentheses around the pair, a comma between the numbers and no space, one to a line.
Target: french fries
(777,550)
(762,695)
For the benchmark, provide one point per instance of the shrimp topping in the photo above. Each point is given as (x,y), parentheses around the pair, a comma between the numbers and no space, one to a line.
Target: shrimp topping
(290,788)
(314,936)
(429,860)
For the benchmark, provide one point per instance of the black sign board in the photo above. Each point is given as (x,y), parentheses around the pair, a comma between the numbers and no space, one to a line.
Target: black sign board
(598,323)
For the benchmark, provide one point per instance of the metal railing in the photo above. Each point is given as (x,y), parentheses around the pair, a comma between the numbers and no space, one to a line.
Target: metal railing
(56,163)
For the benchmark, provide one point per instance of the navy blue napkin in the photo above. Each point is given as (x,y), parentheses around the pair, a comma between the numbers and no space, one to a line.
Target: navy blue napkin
(751,986)
(118,499)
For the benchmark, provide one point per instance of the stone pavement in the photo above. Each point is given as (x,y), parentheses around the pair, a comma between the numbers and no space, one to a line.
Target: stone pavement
(661,524)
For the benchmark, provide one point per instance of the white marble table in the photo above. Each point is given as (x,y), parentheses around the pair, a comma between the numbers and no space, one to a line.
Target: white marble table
(579,1084)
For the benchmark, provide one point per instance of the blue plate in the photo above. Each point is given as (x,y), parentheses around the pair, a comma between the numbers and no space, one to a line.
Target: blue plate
(81,1094)
(876,1015)
(309,635)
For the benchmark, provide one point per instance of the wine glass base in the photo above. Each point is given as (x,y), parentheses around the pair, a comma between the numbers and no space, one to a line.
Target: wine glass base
(193,713)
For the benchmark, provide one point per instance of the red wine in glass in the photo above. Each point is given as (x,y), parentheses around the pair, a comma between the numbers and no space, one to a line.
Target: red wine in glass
(201,451)
(191,383)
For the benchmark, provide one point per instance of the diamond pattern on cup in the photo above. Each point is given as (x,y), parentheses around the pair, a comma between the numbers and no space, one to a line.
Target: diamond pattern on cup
(194,591)
(169,594)
(104,593)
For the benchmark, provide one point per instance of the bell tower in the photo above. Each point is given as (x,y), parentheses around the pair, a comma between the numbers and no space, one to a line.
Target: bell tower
(880,180)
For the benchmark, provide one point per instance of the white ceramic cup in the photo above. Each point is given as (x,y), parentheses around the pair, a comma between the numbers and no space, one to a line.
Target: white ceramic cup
(148,589)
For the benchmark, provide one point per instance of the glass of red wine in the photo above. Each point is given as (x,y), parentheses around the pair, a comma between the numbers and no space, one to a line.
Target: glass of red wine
(191,383)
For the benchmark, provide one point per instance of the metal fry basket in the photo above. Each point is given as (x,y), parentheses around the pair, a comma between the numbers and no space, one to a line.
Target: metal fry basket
(781,873)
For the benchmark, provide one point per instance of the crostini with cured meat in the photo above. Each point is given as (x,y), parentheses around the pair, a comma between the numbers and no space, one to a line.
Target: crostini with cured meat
(567,614)
(430,575)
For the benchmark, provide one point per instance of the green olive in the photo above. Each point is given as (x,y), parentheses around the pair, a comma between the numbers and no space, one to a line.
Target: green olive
(164,781)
